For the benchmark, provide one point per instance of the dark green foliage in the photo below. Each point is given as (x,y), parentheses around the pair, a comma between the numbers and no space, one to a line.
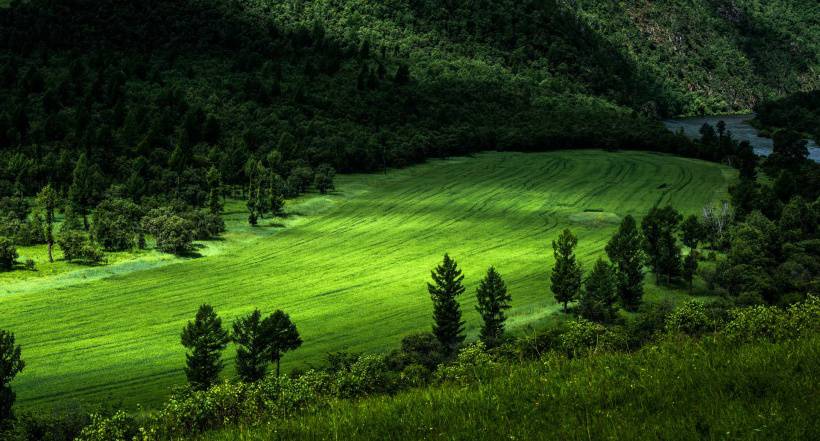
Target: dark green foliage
(84,189)
(252,353)
(48,199)
(799,112)
(173,233)
(323,178)
(8,254)
(567,273)
(660,228)
(116,224)
(691,231)
(493,300)
(600,295)
(689,267)
(77,247)
(214,178)
(281,336)
(10,365)
(444,291)
(205,340)
(422,349)
(624,250)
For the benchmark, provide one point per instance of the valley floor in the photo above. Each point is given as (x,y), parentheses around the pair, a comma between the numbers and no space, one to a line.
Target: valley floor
(350,268)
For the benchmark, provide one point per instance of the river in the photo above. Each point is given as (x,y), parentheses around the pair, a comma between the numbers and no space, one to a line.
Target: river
(740,128)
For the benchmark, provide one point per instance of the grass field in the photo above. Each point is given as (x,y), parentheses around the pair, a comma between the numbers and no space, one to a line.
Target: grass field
(351,268)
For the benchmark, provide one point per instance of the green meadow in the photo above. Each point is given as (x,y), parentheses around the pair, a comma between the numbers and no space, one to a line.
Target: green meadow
(350,268)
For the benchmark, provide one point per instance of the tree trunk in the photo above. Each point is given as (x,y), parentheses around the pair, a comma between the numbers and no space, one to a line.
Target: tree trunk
(50,255)
(85,220)
(277,368)
(565,307)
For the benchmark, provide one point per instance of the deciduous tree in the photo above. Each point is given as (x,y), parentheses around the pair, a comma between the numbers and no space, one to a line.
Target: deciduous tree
(48,199)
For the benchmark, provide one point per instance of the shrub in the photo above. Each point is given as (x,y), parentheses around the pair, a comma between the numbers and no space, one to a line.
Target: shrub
(30,265)
(580,336)
(76,247)
(118,427)
(172,233)
(691,318)
(472,363)
(116,224)
(71,242)
(368,375)
(206,225)
(8,254)
(770,323)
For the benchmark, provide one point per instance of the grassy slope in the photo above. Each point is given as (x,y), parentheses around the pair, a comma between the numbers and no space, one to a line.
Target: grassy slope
(672,392)
(354,277)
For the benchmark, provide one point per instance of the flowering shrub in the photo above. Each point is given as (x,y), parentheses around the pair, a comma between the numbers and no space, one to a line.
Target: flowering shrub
(690,318)
(770,323)
(470,364)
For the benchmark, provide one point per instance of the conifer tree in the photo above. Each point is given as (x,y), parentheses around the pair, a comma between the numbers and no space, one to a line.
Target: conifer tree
(447,324)
(660,242)
(214,179)
(597,303)
(10,365)
(83,187)
(624,250)
(252,354)
(280,335)
(205,339)
(566,274)
(493,300)
(48,199)
(691,232)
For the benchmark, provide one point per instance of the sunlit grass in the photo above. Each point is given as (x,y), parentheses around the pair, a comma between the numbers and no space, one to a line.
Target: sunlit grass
(351,268)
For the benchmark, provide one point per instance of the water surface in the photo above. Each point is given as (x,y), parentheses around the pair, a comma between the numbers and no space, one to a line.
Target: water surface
(740,128)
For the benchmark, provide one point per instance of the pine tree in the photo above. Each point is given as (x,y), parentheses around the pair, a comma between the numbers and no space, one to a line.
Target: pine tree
(214,179)
(82,191)
(597,302)
(10,365)
(280,335)
(447,326)
(660,243)
(566,274)
(205,339)
(48,199)
(252,354)
(624,250)
(493,300)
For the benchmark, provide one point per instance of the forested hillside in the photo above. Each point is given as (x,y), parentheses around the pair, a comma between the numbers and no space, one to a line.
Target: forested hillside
(154,92)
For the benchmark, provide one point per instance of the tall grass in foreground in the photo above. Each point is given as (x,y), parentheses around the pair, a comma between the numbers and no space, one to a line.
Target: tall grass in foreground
(676,390)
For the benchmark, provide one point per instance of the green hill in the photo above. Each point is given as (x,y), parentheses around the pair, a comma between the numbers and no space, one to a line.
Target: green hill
(675,391)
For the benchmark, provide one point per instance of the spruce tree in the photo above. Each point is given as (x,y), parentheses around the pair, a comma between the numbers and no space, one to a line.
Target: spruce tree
(252,353)
(81,193)
(624,250)
(597,303)
(566,274)
(447,324)
(214,179)
(47,199)
(493,300)
(660,243)
(10,365)
(280,335)
(205,339)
